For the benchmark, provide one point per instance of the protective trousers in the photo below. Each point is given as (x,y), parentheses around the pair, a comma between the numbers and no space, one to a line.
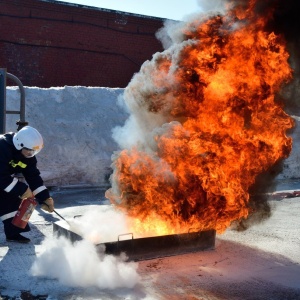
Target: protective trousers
(8,208)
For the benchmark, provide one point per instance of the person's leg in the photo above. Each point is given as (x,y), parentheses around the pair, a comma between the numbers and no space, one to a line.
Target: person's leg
(8,209)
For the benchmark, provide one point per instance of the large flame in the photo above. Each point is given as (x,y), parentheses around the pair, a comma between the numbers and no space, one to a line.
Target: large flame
(214,120)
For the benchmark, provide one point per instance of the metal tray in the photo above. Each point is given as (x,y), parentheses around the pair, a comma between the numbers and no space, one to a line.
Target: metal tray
(148,247)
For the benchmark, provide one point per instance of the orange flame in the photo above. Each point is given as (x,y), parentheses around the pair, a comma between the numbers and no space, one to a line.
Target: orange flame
(224,126)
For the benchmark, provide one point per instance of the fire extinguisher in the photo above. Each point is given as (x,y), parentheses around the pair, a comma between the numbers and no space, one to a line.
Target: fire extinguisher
(24,212)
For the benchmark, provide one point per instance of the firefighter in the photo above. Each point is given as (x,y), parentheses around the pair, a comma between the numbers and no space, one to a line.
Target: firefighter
(17,156)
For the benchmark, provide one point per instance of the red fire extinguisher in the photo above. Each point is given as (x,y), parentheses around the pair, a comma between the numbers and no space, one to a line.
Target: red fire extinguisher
(24,212)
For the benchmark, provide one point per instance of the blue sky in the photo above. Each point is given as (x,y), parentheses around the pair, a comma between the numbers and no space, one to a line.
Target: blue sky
(170,9)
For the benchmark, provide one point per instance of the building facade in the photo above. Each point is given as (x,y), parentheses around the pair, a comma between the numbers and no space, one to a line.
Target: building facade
(49,43)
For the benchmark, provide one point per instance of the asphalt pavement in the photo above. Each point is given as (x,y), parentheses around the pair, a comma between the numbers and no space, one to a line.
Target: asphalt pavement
(16,259)
(261,263)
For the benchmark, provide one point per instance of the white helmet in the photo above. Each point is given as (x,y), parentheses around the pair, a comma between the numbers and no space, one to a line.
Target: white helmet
(30,139)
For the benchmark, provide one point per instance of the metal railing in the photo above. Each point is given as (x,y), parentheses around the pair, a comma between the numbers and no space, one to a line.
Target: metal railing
(3,112)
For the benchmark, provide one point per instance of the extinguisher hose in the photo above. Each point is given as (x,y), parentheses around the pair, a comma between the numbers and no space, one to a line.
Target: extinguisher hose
(57,213)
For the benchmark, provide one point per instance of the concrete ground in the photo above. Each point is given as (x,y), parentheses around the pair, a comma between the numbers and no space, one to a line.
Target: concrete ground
(262,262)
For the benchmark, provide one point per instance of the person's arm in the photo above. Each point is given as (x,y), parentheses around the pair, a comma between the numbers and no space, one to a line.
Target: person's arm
(8,183)
(33,178)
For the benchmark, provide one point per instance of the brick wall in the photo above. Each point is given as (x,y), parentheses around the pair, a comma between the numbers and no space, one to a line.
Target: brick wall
(50,43)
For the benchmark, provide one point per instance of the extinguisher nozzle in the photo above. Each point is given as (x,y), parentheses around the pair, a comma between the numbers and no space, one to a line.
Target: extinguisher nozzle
(59,215)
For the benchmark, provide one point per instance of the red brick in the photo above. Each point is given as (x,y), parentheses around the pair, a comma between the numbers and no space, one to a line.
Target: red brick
(49,43)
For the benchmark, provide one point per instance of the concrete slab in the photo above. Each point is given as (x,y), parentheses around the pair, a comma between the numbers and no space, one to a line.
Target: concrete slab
(262,262)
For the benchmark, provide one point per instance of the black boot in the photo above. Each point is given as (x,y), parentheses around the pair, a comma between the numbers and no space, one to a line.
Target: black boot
(17,238)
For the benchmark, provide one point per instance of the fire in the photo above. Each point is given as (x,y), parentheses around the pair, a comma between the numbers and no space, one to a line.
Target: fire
(214,123)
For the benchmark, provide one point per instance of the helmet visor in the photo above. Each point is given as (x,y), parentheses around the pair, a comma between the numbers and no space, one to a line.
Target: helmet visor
(29,152)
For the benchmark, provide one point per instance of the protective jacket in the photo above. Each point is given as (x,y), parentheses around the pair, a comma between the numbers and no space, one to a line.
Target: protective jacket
(12,162)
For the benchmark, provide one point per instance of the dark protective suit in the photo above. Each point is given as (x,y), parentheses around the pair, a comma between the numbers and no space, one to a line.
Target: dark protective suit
(12,162)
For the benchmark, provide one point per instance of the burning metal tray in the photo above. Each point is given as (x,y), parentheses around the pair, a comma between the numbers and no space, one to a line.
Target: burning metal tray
(148,247)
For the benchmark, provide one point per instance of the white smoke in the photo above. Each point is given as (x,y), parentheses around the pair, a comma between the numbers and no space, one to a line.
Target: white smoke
(212,5)
(100,224)
(142,120)
(128,135)
(81,265)
(173,32)
(169,33)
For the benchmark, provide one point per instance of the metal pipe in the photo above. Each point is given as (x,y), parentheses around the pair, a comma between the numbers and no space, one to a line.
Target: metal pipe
(22,92)
(3,76)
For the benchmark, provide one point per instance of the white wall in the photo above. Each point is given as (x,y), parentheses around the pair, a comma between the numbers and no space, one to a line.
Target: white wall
(76,123)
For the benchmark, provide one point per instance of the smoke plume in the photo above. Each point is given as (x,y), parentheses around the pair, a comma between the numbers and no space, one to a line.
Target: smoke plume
(81,265)
(184,103)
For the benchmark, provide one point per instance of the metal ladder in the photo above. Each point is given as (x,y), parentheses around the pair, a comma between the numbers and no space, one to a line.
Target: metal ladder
(3,112)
